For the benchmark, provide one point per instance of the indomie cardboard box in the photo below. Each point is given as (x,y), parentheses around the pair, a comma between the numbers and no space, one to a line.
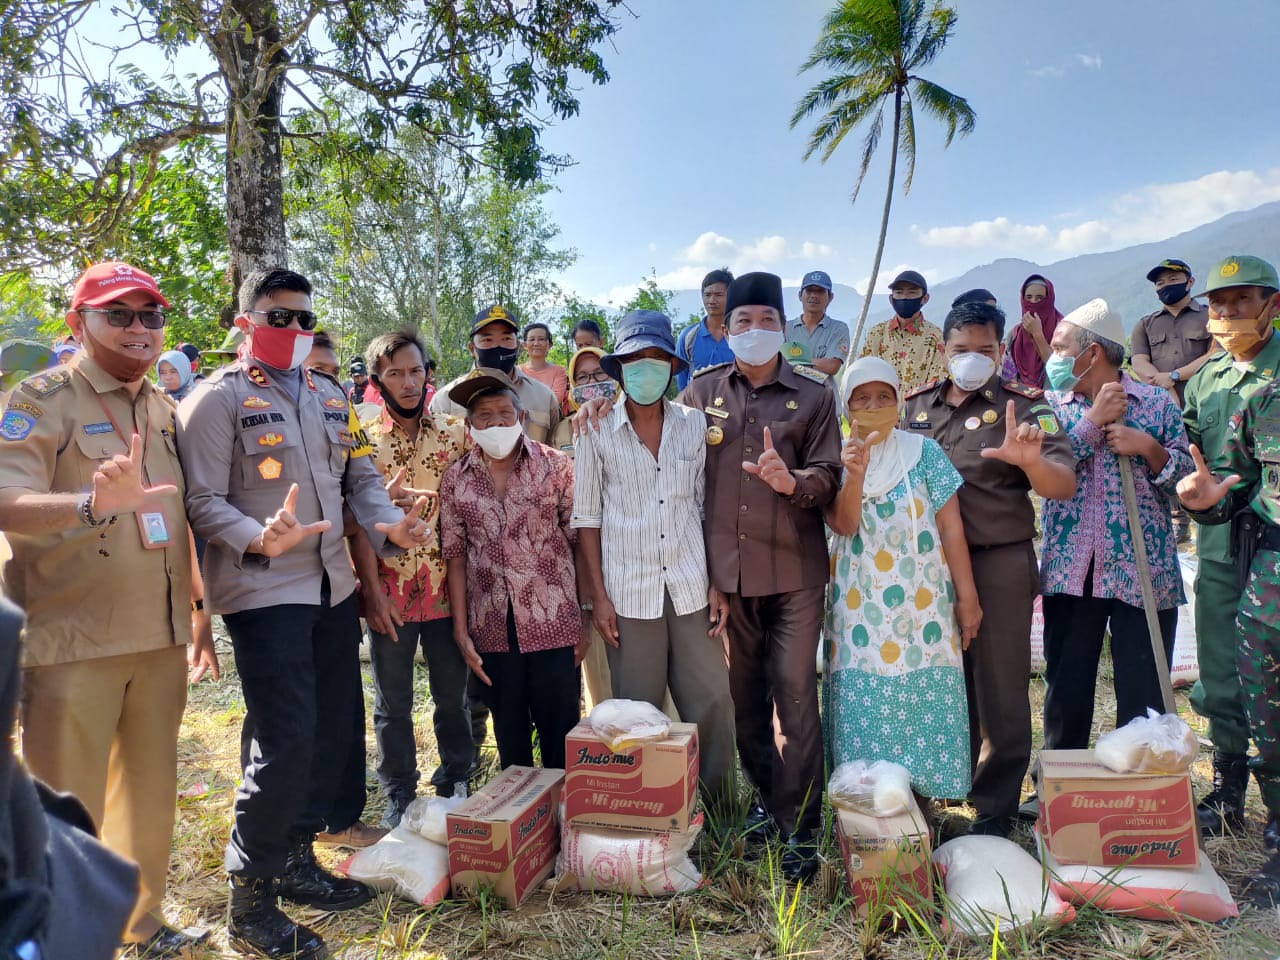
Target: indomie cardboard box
(1095,816)
(886,859)
(506,834)
(653,786)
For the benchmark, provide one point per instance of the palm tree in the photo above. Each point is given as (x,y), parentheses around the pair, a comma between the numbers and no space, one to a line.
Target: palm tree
(873,49)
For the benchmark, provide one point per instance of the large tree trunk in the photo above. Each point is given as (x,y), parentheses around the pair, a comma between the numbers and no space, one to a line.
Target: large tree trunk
(255,188)
(884,222)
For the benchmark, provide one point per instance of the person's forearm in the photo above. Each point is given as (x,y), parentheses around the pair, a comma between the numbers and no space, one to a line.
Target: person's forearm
(829,365)
(590,564)
(844,513)
(39,514)
(1053,481)
(455,579)
(1156,456)
(363,557)
(1042,345)
(956,549)
(1188,370)
(1143,369)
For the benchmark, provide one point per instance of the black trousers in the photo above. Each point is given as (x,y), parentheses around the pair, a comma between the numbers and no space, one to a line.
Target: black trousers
(304,711)
(1073,632)
(539,688)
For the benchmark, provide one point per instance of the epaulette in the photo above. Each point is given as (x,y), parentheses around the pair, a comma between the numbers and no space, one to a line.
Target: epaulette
(46,384)
(923,388)
(1022,390)
(328,376)
(810,373)
(716,366)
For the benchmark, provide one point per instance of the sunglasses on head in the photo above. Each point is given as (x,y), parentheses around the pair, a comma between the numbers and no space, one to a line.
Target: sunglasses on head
(122,317)
(279,317)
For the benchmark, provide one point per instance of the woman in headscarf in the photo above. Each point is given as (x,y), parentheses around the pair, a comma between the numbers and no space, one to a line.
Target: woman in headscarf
(1029,346)
(173,370)
(898,613)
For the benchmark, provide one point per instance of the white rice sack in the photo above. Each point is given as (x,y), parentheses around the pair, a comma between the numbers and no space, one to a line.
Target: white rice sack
(425,816)
(625,861)
(990,881)
(626,723)
(1156,743)
(1152,893)
(880,789)
(412,866)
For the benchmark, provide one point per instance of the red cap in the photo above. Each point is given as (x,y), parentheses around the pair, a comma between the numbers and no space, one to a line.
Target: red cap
(104,282)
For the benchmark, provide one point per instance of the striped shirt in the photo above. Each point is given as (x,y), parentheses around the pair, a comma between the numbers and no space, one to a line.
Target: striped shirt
(649,512)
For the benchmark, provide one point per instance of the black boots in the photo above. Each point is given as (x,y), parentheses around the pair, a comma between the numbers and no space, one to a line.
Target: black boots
(1222,810)
(309,884)
(256,925)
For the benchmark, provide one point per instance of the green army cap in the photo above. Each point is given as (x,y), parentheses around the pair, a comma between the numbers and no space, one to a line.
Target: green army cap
(1240,270)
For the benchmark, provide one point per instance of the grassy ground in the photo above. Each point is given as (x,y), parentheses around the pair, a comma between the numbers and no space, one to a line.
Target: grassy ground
(743,912)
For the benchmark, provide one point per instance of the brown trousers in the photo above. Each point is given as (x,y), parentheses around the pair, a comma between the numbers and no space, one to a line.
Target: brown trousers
(107,730)
(997,668)
(773,650)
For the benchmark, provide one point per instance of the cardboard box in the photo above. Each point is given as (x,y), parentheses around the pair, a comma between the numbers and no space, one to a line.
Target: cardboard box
(506,835)
(1094,816)
(650,787)
(886,859)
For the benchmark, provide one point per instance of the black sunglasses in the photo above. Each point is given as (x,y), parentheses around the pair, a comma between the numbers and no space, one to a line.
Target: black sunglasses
(121,317)
(280,317)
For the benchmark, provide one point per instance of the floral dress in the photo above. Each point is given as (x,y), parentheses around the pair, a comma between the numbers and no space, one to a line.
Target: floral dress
(894,686)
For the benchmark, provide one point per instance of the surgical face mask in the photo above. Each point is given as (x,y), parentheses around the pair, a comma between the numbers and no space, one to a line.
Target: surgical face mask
(497,358)
(1238,335)
(497,442)
(283,348)
(584,393)
(907,309)
(756,347)
(645,381)
(969,371)
(1172,294)
(1060,372)
(880,421)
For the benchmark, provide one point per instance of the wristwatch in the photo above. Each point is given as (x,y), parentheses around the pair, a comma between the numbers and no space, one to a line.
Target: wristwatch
(197,605)
(1175,376)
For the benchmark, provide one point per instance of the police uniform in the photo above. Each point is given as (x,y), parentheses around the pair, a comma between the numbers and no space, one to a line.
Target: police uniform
(999,524)
(768,554)
(541,408)
(245,436)
(108,611)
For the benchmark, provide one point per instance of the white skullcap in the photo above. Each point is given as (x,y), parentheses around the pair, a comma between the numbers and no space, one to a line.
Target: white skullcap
(867,370)
(1098,318)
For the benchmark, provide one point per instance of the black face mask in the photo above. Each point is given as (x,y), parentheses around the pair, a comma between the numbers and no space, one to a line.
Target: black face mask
(1172,294)
(405,413)
(907,309)
(497,358)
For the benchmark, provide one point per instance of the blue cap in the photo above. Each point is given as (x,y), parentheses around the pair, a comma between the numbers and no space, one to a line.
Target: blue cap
(817,278)
(640,330)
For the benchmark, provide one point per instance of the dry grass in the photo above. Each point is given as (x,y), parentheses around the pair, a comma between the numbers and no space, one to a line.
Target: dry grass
(743,912)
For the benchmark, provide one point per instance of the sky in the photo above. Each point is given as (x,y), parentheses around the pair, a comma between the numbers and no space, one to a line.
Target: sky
(1101,124)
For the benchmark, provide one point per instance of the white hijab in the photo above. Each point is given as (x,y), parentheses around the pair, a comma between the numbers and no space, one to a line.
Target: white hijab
(893,457)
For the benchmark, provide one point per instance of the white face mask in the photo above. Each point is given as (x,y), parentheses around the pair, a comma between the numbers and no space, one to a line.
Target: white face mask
(969,371)
(756,346)
(497,442)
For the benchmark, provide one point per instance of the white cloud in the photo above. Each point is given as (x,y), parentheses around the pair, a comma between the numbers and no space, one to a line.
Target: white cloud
(1090,61)
(1147,213)
(1054,72)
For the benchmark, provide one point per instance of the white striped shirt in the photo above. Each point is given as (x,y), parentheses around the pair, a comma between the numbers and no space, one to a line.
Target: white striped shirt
(649,512)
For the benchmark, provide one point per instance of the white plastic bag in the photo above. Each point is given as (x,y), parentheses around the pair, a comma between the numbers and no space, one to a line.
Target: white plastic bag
(405,862)
(880,789)
(1156,743)
(991,880)
(627,723)
(425,816)
(1152,893)
(626,861)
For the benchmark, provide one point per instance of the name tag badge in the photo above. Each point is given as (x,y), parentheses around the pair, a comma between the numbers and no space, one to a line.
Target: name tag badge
(154,531)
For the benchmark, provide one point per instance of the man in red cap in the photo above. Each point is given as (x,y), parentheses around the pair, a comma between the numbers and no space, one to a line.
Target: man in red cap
(91,502)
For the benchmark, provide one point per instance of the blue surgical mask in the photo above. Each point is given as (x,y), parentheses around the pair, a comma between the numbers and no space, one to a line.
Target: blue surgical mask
(646,380)
(1060,372)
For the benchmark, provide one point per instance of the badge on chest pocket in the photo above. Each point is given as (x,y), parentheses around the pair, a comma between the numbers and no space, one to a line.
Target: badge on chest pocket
(153,529)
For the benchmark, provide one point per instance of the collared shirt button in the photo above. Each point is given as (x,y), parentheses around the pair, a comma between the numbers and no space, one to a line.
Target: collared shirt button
(743,508)
(753,396)
(751,419)
(742,536)
(748,449)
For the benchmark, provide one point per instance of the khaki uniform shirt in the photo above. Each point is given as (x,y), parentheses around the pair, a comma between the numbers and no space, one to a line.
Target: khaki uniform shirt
(914,347)
(994,504)
(1171,342)
(94,592)
(758,542)
(541,408)
(243,440)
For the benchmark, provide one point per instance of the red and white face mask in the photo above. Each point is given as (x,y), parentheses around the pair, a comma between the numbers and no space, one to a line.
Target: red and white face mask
(281,348)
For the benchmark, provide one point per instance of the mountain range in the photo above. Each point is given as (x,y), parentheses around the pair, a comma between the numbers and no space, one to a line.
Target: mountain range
(1120,276)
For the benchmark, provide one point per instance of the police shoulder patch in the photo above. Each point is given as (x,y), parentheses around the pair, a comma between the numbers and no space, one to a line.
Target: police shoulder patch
(810,373)
(715,366)
(15,425)
(46,384)
(923,388)
(1022,390)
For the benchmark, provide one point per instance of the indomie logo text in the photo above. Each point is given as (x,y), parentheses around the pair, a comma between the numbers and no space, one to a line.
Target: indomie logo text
(605,759)
(1168,847)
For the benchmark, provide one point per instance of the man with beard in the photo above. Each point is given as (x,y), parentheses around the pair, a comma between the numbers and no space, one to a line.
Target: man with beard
(264,437)
(493,345)
(91,501)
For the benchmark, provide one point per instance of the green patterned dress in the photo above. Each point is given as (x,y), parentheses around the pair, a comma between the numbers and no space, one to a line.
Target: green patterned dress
(894,686)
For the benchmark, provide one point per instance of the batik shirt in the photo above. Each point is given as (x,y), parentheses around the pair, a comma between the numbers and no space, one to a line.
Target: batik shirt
(914,347)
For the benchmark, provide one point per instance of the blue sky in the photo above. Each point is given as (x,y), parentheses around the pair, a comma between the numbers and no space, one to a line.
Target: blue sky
(1100,125)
